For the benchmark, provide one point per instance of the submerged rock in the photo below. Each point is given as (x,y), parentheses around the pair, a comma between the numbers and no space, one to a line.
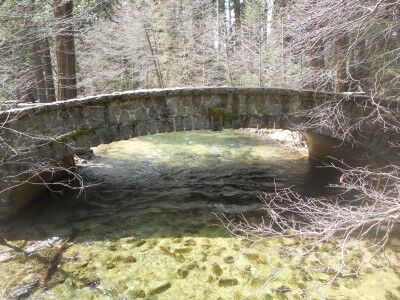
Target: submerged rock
(132,242)
(229,259)
(110,265)
(204,257)
(183,250)
(136,293)
(151,244)
(130,259)
(24,291)
(216,269)
(166,249)
(323,277)
(257,281)
(128,239)
(160,289)
(190,242)
(179,257)
(92,283)
(112,247)
(252,256)
(177,239)
(182,273)
(205,246)
(210,279)
(226,282)
(192,266)
(283,289)
(5,255)
(268,297)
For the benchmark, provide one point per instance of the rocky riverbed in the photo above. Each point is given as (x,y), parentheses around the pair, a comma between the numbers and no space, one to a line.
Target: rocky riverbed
(148,227)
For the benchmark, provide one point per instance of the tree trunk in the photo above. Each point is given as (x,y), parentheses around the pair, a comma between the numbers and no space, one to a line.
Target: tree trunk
(237,19)
(237,11)
(360,66)
(317,64)
(155,60)
(171,39)
(37,65)
(48,71)
(219,16)
(65,49)
(341,47)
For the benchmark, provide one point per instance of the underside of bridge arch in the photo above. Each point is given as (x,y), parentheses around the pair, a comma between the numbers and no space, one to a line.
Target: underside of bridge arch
(324,149)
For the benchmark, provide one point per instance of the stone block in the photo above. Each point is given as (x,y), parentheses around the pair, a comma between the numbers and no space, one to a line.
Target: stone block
(141,114)
(93,116)
(125,131)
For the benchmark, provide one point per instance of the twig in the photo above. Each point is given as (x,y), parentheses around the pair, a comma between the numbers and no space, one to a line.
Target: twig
(52,267)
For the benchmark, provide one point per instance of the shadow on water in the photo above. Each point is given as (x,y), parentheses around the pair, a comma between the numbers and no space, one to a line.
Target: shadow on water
(156,200)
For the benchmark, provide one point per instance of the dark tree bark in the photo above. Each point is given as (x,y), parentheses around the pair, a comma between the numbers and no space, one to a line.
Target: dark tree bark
(316,55)
(65,49)
(317,64)
(341,46)
(360,66)
(238,11)
(38,68)
(48,71)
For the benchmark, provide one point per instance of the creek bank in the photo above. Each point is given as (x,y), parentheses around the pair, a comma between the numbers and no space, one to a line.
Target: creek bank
(286,138)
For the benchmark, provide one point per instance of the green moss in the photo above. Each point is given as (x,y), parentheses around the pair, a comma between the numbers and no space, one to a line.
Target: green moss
(75,135)
(51,143)
(229,117)
(134,123)
(217,112)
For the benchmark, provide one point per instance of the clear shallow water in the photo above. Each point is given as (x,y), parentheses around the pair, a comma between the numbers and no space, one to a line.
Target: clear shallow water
(146,227)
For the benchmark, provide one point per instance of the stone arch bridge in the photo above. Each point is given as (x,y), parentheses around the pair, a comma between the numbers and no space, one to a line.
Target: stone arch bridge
(35,137)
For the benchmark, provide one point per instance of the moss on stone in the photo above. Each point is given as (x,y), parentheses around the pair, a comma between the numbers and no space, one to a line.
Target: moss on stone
(51,143)
(79,134)
(229,117)
(75,135)
(217,112)
(134,123)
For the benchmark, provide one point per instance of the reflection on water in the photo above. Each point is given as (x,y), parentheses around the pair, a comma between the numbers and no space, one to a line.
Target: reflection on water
(146,228)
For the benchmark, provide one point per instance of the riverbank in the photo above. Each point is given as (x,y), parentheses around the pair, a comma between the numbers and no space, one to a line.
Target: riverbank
(286,138)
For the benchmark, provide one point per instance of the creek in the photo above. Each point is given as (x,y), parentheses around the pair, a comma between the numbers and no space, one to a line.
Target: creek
(147,227)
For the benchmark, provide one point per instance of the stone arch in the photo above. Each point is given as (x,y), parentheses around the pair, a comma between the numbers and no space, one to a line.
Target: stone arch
(58,128)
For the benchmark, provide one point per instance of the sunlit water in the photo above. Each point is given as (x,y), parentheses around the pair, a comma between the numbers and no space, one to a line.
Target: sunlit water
(147,228)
